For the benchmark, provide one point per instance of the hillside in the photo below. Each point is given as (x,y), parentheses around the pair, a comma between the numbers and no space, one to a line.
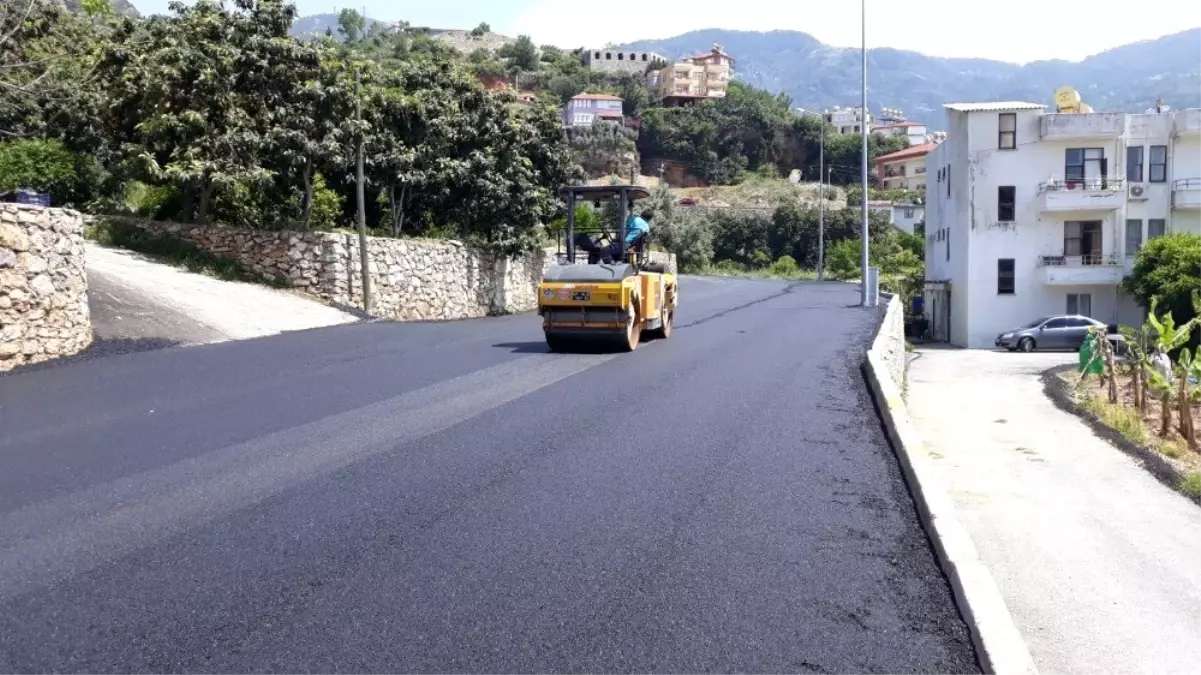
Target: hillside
(815,75)
(119,6)
(461,40)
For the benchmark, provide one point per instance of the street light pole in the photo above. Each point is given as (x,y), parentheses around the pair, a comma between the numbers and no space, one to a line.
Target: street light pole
(821,213)
(864,232)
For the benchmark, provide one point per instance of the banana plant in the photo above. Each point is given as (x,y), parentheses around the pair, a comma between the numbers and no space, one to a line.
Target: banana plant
(1168,338)
(1188,378)
(1137,341)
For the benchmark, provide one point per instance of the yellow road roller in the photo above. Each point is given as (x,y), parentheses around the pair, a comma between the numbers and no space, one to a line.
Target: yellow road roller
(606,301)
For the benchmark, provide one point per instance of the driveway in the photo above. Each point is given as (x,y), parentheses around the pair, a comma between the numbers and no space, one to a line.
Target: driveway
(1097,561)
(451,497)
(137,302)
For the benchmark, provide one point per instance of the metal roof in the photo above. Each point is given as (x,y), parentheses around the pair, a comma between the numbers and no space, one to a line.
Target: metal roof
(605,191)
(998,105)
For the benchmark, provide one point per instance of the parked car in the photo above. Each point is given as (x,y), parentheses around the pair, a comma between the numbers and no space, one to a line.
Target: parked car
(1066,331)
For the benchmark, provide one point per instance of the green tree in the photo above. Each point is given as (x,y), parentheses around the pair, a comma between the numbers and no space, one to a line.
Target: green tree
(1169,268)
(521,54)
(351,24)
(481,30)
(42,165)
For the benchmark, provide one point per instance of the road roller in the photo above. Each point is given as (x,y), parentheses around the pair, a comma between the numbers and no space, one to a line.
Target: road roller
(613,301)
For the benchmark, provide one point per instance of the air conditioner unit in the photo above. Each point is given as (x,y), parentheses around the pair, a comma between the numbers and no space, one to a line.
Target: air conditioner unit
(1138,191)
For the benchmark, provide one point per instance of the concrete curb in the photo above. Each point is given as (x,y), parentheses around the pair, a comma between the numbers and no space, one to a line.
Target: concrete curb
(999,645)
(1156,464)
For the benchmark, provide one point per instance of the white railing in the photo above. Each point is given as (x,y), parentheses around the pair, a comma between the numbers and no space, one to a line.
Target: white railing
(1087,260)
(1082,184)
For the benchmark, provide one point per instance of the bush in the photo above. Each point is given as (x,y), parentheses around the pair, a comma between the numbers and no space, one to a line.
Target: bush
(153,202)
(1168,268)
(842,259)
(785,266)
(47,166)
(326,207)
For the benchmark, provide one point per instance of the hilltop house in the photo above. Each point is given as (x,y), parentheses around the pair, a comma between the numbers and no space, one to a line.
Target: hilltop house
(905,169)
(584,109)
(693,78)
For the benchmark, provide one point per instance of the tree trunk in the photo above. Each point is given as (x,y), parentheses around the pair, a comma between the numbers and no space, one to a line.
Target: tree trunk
(398,208)
(187,208)
(1145,386)
(206,198)
(1185,412)
(1111,371)
(1136,384)
(306,214)
(1165,415)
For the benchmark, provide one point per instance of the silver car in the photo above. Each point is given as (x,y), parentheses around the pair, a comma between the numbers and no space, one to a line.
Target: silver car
(1066,331)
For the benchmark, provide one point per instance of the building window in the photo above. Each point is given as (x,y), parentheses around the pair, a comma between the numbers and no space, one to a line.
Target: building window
(1080,303)
(621,56)
(608,56)
(908,213)
(596,56)
(1006,203)
(1084,167)
(948,180)
(1156,227)
(644,57)
(1083,238)
(1007,139)
(1134,164)
(1134,235)
(1005,276)
(948,238)
(1158,171)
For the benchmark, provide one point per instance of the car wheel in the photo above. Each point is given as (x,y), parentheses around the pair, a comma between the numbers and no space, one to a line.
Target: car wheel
(1026,344)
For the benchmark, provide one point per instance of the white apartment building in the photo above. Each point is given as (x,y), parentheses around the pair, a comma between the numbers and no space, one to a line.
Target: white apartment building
(902,215)
(1032,214)
(915,133)
(847,120)
(905,169)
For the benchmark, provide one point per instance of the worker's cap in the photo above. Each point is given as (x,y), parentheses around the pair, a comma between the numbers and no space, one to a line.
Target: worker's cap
(648,214)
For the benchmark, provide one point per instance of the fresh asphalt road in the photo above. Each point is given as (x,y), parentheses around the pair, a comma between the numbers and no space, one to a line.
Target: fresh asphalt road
(450,497)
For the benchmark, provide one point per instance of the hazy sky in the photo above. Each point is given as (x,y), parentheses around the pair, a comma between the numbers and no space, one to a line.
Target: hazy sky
(1016,30)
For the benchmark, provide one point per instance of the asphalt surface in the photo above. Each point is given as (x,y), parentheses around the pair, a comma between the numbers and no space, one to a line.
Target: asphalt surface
(449,497)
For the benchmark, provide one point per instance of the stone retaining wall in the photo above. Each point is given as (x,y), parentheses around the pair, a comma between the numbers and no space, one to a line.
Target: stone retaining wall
(411,279)
(43,285)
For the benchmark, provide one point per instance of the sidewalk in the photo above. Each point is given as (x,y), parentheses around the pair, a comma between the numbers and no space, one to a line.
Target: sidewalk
(1099,563)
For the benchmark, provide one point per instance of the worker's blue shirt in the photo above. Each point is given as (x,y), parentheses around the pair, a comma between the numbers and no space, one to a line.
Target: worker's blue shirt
(636,227)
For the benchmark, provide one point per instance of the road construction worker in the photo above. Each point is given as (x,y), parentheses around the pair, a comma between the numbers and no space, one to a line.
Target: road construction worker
(637,226)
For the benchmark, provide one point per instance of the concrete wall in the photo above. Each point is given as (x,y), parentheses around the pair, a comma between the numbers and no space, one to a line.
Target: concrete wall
(889,344)
(411,279)
(43,285)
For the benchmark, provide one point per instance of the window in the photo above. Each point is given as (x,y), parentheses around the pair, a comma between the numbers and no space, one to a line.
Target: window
(1005,279)
(908,214)
(1158,171)
(596,56)
(1134,164)
(1006,203)
(948,180)
(1083,239)
(948,238)
(621,56)
(1007,138)
(1084,168)
(644,57)
(1056,323)
(608,56)
(1134,235)
(1156,227)
(1078,303)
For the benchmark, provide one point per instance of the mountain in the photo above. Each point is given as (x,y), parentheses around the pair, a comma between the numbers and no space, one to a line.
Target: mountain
(818,76)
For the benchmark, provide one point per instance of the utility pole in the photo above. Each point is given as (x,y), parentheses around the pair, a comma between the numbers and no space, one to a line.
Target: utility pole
(821,212)
(363,255)
(865,231)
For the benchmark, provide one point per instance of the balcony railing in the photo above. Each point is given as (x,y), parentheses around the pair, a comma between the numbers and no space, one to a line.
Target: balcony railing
(920,169)
(1082,184)
(1186,194)
(1086,260)
(894,173)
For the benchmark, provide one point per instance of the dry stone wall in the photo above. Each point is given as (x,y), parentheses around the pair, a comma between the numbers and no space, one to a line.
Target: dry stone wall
(43,285)
(411,279)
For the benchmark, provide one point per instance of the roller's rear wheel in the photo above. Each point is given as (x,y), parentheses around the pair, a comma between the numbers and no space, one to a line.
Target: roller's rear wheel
(557,343)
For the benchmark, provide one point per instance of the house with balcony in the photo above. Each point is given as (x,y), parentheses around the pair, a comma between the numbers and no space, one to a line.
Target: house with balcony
(693,78)
(847,120)
(904,169)
(902,215)
(914,132)
(585,109)
(1030,213)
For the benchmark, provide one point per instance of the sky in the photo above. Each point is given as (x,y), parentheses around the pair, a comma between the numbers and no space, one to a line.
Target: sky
(1017,31)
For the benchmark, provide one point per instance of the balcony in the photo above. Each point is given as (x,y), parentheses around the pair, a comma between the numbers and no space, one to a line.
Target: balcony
(1081,270)
(1089,195)
(1082,126)
(1187,123)
(1186,194)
